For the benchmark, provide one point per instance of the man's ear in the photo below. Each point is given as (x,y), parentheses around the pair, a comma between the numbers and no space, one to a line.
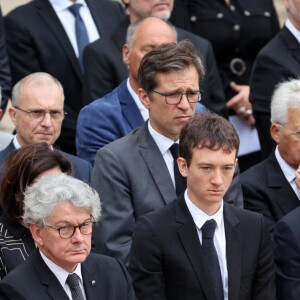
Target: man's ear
(182,166)
(12,113)
(126,55)
(1,112)
(275,132)
(36,233)
(143,95)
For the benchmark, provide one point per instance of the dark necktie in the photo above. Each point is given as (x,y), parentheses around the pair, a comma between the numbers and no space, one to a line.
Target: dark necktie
(180,181)
(82,37)
(73,283)
(211,257)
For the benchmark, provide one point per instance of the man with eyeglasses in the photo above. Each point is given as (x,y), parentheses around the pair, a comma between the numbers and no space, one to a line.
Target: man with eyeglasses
(119,112)
(269,187)
(38,112)
(138,173)
(60,212)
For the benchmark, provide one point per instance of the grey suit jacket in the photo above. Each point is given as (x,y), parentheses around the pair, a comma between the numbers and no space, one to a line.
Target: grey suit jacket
(132,179)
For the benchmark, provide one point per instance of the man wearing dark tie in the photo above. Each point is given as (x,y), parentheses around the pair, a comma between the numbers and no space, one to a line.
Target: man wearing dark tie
(49,36)
(61,212)
(200,247)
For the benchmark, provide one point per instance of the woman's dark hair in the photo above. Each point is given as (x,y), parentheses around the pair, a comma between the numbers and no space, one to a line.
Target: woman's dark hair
(21,167)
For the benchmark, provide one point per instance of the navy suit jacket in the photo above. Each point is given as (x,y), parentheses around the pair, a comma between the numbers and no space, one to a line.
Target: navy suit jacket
(108,119)
(286,244)
(34,280)
(81,168)
(278,61)
(266,190)
(37,42)
(166,259)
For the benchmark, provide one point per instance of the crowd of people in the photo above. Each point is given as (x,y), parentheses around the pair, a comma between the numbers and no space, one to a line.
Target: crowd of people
(156,152)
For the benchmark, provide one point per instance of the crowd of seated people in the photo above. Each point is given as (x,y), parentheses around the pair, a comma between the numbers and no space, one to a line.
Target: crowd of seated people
(124,177)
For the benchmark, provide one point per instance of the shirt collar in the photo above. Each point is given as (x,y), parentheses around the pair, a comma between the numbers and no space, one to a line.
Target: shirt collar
(60,5)
(162,142)
(199,216)
(17,144)
(295,32)
(60,273)
(287,170)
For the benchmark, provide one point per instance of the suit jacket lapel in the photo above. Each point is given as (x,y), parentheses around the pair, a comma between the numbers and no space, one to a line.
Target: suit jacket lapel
(277,182)
(189,238)
(49,16)
(233,251)
(129,108)
(156,164)
(291,43)
(48,279)
(89,282)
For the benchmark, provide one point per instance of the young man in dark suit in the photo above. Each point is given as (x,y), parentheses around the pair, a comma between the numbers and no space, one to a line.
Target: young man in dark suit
(42,37)
(199,247)
(61,212)
(38,112)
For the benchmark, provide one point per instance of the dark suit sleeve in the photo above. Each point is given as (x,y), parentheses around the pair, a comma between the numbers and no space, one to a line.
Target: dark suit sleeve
(10,292)
(113,234)
(145,265)
(5,79)
(264,287)
(287,257)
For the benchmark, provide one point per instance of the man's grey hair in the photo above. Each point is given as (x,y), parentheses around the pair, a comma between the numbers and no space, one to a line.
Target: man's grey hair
(39,79)
(42,198)
(285,96)
(130,37)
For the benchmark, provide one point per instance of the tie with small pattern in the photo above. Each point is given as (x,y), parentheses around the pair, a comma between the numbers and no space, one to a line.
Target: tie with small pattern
(211,257)
(180,181)
(73,283)
(82,37)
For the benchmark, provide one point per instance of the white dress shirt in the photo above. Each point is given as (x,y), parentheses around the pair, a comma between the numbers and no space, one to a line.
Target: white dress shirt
(294,31)
(67,20)
(288,171)
(163,143)
(17,144)
(200,218)
(143,110)
(62,275)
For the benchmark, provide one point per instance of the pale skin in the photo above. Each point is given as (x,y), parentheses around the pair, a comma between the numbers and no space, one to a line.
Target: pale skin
(209,176)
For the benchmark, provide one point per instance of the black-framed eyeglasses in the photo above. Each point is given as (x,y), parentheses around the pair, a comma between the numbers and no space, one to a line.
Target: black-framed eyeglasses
(296,134)
(39,114)
(66,232)
(175,98)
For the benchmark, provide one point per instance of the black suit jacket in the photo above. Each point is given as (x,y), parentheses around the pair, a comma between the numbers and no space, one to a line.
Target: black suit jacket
(37,41)
(267,191)
(33,280)
(166,259)
(278,61)
(286,244)
(109,70)
(81,168)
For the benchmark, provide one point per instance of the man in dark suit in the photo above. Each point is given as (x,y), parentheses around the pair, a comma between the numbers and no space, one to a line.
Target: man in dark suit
(62,267)
(269,187)
(199,247)
(286,244)
(278,61)
(37,112)
(108,71)
(41,38)
(119,112)
(5,79)
(135,174)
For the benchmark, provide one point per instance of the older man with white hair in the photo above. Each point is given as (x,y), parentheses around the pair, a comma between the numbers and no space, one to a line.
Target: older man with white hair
(61,212)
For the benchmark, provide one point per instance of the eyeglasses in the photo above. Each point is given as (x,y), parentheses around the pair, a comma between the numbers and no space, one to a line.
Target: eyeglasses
(39,114)
(175,98)
(65,232)
(294,133)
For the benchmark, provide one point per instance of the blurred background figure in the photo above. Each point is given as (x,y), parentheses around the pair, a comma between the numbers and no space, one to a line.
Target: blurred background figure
(237,29)
(22,168)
